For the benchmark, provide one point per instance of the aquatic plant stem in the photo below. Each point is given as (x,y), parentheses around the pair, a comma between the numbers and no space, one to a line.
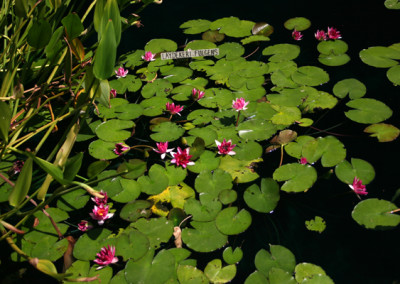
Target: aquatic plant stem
(237,120)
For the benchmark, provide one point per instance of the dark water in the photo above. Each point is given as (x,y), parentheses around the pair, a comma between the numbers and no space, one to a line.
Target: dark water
(347,252)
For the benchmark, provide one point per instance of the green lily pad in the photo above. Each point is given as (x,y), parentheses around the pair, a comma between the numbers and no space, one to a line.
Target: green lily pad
(354,88)
(100,149)
(256,278)
(175,174)
(195,26)
(191,275)
(214,97)
(241,171)
(393,74)
(231,50)
(307,271)
(231,256)
(205,209)
(204,237)
(208,161)
(136,209)
(73,200)
(332,47)
(368,111)
(287,97)
(132,59)
(134,168)
(262,200)
(213,182)
(155,182)
(154,106)
(280,257)
(132,244)
(384,132)
(285,115)
(359,168)
(375,214)
(297,177)
(218,274)
(231,222)
(392,4)
(334,60)
(294,149)
(201,116)
(297,23)
(200,44)
(329,149)
(130,83)
(157,230)
(254,38)
(130,191)
(160,87)
(232,26)
(160,45)
(256,129)
(319,100)
(310,76)
(248,151)
(282,80)
(277,276)
(119,278)
(282,52)
(206,133)
(380,56)
(167,131)
(317,224)
(177,74)
(89,244)
(113,130)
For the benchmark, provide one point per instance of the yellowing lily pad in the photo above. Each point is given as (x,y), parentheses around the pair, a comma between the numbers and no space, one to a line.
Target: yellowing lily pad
(241,171)
(384,132)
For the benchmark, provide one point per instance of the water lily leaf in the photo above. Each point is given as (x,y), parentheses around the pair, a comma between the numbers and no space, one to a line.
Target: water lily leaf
(380,56)
(113,130)
(195,26)
(241,171)
(256,129)
(277,276)
(319,100)
(329,149)
(393,74)
(134,168)
(157,230)
(231,50)
(154,106)
(130,191)
(160,45)
(213,36)
(294,149)
(262,200)
(317,224)
(208,161)
(227,196)
(108,111)
(246,151)
(132,244)
(191,275)
(159,87)
(213,182)
(147,270)
(175,174)
(201,116)
(207,134)
(231,222)
(310,76)
(167,131)
(175,195)
(297,177)
(354,88)
(282,52)
(287,67)
(221,98)
(200,44)
(256,278)
(282,80)
(392,4)
(254,38)
(332,47)
(359,168)
(177,74)
(132,59)
(384,132)
(297,23)
(368,111)
(280,257)
(334,60)
(100,149)
(218,274)
(155,182)
(285,115)
(375,213)
(231,256)
(73,200)
(89,244)
(136,209)
(205,209)
(232,26)
(307,271)
(203,237)
(119,278)
(287,97)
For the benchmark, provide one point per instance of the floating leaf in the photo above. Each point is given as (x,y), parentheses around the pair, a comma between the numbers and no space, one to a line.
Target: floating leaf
(380,56)
(218,274)
(308,271)
(213,182)
(277,276)
(232,26)
(384,132)
(177,74)
(263,29)
(310,76)
(354,88)
(392,4)
(332,47)
(232,256)
(155,182)
(191,275)
(73,200)
(319,100)
(248,151)
(213,36)
(129,83)
(317,224)
(241,171)
(130,191)
(136,209)
(113,130)
(280,257)
(333,60)
(297,177)
(375,214)
(231,222)
(89,244)
(359,168)
(100,149)
(368,111)
(208,161)
(285,115)
(154,106)
(205,209)
(254,38)
(157,230)
(195,26)
(256,278)
(393,74)
(282,52)
(160,45)
(167,131)
(298,23)
(132,245)
(329,149)
(204,237)
(256,129)
(262,200)
(201,116)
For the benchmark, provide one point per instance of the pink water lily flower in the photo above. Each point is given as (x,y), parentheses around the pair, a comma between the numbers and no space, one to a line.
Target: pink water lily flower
(174,109)
(84,226)
(320,35)
(239,104)
(197,94)
(100,213)
(358,187)
(297,35)
(162,148)
(303,161)
(120,148)
(105,257)
(333,33)
(113,93)
(100,201)
(121,72)
(226,147)
(148,56)
(182,158)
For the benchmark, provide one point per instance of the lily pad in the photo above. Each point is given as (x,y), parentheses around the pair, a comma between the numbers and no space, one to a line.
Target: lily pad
(218,274)
(277,276)
(280,257)
(195,26)
(157,230)
(375,214)
(256,129)
(334,60)
(160,45)
(393,74)
(213,182)
(308,272)
(368,111)
(231,50)
(100,149)
(332,47)
(392,4)
(319,100)
(205,209)
(380,56)
(73,200)
(297,23)
(201,116)
(358,168)
(254,38)
(317,224)
(227,196)
(241,171)
(160,87)
(89,244)
(113,130)
(297,177)
(154,106)
(232,26)
(177,74)
(256,278)
(329,149)
(132,245)
(167,131)
(282,52)
(204,237)
(231,222)
(191,275)
(208,161)
(352,87)
(130,83)
(231,256)
(384,132)
(248,151)
(310,76)
(262,200)
(130,191)
(155,182)
(136,209)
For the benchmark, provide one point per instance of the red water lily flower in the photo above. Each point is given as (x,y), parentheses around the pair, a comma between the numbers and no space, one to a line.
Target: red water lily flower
(100,213)
(297,35)
(197,94)
(303,161)
(333,33)
(174,109)
(162,148)
(120,148)
(226,147)
(105,257)
(148,56)
(121,72)
(84,226)
(358,187)
(113,93)
(182,158)
(100,201)
(320,35)
(239,104)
